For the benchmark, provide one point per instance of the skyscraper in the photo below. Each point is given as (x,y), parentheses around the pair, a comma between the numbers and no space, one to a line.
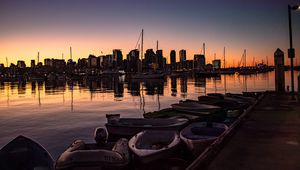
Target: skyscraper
(182,57)
(173,59)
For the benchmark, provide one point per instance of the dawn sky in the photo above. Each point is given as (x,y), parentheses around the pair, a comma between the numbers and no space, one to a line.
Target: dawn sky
(92,26)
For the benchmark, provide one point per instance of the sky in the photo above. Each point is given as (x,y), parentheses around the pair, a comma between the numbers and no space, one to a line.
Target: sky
(99,26)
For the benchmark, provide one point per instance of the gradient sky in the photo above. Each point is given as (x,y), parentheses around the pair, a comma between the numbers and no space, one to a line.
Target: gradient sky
(92,26)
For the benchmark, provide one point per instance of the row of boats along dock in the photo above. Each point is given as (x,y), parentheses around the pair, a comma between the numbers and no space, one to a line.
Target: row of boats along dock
(185,136)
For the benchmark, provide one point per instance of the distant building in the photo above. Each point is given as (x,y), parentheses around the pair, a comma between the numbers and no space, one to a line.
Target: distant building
(55,63)
(216,64)
(21,64)
(199,62)
(133,61)
(117,57)
(92,61)
(182,57)
(82,63)
(32,63)
(160,59)
(173,59)
(1,66)
(150,59)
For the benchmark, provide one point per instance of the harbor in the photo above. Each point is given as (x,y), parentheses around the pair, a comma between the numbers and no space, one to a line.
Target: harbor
(143,85)
(208,156)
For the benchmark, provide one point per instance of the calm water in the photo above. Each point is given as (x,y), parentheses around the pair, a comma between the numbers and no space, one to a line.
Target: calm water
(56,114)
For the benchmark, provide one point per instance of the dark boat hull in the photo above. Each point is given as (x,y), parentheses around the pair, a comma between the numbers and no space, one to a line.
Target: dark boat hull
(24,153)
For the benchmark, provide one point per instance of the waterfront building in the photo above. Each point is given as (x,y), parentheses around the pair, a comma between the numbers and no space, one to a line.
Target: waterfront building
(21,64)
(150,59)
(32,63)
(216,64)
(160,59)
(92,61)
(133,61)
(182,58)
(173,59)
(199,62)
(117,57)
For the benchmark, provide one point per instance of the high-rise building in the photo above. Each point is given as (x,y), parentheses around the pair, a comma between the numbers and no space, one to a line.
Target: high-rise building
(21,64)
(182,58)
(160,58)
(150,58)
(216,64)
(117,57)
(199,61)
(133,61)
(173,59)
(32,63)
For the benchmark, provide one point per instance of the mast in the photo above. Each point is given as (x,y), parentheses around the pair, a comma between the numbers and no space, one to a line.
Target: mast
(71,53)
(142,46)
(245,57)
(157,45)
(224,58)
(6,62)
(204,49)
(38,57)
(62,55)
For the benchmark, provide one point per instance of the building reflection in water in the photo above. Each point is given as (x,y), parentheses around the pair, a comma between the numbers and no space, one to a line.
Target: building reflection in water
(173,86)
(183,86)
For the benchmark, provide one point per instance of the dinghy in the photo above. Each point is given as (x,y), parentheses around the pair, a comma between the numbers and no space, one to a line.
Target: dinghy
(151,145)
(196,108)
(197,136)
(100,155)
(24,153)
(127,127)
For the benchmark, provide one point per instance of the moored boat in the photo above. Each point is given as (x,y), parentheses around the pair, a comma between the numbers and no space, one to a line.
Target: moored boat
(197,136)
(24,153)
(151,145)
(100,155)
(196,108)
(127,127)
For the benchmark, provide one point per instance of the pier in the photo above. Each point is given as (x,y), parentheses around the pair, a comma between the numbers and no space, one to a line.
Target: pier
(268,138)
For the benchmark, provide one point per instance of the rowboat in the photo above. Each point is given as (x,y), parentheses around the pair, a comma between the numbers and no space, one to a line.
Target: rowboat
(151,145)
(89,156)
(127,127)
(24,153)
(195,107)
(197,136)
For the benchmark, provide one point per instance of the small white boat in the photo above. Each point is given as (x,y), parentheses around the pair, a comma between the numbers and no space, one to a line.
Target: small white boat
(24,153)
(151,145)
(127,127)
(197,136)
(196,108)
(82,156)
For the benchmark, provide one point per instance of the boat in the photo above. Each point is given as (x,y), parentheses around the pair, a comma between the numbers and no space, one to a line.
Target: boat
(99,155)
(224,103)
(24,153)
(127,127)
(151,145)
(243,102)
(170,112)
(197,136)
(196,108)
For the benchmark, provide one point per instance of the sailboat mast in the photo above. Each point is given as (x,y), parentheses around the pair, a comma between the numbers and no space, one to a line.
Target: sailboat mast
(142,44)
(204,49)
(71,53)
(157,45)
(224,58)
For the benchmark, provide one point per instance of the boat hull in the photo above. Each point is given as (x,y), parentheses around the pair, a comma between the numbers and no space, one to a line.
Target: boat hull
(198,136)
(149,146)
(24,153)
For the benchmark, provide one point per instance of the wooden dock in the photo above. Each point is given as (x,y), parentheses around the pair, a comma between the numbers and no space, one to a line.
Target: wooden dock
(268,138)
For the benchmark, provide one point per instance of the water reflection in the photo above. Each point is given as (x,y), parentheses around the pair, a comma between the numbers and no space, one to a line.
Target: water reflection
(121,87)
